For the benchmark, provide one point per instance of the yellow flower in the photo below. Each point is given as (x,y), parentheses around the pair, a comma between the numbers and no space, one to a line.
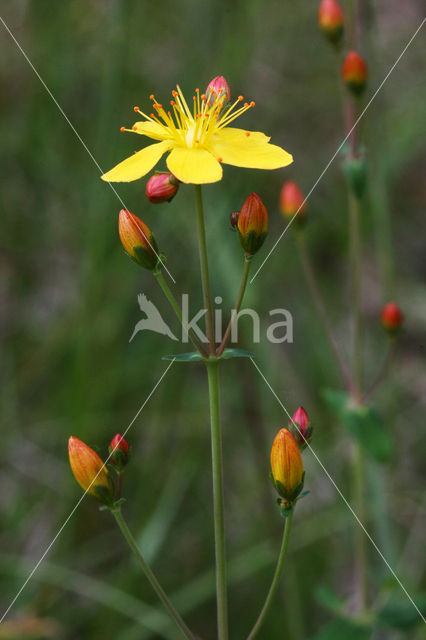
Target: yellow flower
(199,140)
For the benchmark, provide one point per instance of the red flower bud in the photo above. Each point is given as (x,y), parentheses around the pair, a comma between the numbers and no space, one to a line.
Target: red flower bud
(392,317)
(286,465)
(161,187)
(301,428)
(292,200)
(354,72)
(330,20)
(89,470)
(218,88)
(252,224)
(119,451)
(137,240)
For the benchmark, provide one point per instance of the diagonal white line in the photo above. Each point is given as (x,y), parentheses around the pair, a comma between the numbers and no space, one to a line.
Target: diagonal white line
(342,496)
(341,145)
(62,527)
(79,137)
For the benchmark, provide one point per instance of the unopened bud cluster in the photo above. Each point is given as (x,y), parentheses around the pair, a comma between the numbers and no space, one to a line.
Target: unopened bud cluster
(331,23)
(287,472)
(91,472)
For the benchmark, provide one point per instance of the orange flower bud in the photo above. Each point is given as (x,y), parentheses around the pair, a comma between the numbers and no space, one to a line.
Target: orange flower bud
(301,428)
(218,88)
(286,465)
(292,200)
(89,471)
(330,20)
(137,240)
(354,72)
(392,317)
(119,450)
(161,187)
(252,224)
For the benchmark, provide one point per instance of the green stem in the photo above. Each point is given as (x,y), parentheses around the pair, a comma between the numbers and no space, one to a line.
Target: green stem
(360,541)
(204,267)
(219,521)
(358,456)
(321,308)
(150,575)
(354,214)
(275,579)
(173,303)
(243,285)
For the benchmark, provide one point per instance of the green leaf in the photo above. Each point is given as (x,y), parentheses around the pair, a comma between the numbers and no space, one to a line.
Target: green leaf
(236,353)
(193,356)
(399,613)
(343,629)
(364,423)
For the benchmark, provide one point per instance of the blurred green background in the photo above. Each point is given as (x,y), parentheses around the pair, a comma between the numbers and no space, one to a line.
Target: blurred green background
(69,305)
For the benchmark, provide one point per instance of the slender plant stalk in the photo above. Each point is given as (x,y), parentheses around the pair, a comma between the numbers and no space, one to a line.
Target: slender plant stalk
(360,540)
(354,214)
(173,303)
(243,285)
(320,307)
(204,267)
(275,579)
(150,575)
(218,506)
(358,454)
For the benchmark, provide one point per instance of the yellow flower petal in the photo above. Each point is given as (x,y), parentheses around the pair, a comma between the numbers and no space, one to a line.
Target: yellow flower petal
(194,166)
(138,164)
(250,153)
(152,130)
(228,134)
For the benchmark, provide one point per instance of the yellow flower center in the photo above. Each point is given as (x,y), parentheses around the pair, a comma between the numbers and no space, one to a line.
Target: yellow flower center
(192,129)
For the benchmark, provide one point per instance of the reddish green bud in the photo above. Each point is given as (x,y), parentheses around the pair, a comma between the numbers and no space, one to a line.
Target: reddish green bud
(252,224)
(331,20)
(137,240)
(119,450)
(161,187)
(354,72)
(301,428)
(392,317)
(233,218)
